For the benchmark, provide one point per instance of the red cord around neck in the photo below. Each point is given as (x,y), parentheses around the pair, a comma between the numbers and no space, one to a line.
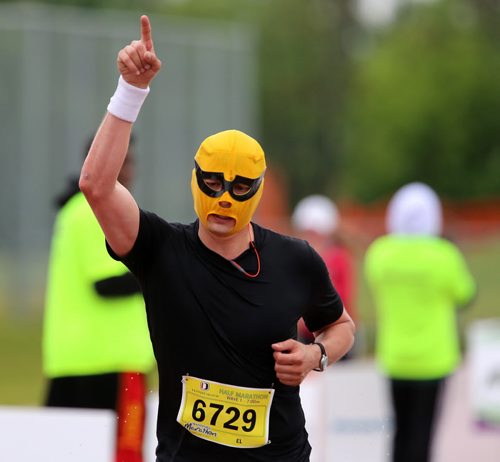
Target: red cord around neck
(239,268)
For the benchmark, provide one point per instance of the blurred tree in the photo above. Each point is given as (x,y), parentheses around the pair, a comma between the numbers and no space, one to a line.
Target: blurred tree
(424,106)
(419,101)
(304,67)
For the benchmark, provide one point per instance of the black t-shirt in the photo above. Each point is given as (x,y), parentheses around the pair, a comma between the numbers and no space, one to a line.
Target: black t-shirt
(211,321)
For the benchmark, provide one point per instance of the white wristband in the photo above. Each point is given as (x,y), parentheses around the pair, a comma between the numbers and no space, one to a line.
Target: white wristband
(127,101)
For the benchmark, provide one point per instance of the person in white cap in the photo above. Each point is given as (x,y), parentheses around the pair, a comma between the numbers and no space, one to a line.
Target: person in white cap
(316,219)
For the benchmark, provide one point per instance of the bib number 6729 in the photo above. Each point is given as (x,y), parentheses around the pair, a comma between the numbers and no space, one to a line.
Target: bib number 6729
(230,415)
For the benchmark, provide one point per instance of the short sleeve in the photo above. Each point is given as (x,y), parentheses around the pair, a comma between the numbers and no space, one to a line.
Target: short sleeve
(148,239)
(326,305)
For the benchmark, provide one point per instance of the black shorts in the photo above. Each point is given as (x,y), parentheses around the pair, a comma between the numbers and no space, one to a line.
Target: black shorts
(98,391)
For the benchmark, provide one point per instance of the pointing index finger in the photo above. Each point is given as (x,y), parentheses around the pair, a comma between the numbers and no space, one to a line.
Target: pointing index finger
(146,36)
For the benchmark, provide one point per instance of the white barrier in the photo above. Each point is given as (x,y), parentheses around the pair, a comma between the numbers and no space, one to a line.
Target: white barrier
(56,435)
(484,358)
(150,440)
(347,414)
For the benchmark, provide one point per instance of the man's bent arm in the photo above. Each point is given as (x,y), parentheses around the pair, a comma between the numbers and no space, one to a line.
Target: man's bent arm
(294,360)
(337,338)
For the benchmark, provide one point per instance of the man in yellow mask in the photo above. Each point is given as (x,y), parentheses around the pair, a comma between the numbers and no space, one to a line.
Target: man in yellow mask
(223,295)
(228,181)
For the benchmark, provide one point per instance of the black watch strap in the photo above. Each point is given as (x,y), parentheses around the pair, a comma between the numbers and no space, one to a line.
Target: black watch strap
(323,362)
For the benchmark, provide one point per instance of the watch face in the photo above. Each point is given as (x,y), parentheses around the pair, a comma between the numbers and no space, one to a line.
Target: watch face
(324,362)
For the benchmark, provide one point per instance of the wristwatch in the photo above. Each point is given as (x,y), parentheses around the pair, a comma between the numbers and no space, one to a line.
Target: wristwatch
(323,362)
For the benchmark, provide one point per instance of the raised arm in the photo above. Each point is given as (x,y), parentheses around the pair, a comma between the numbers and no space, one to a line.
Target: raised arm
(112,204)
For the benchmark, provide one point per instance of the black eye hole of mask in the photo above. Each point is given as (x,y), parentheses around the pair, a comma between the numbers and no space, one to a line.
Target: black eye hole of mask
(213,184)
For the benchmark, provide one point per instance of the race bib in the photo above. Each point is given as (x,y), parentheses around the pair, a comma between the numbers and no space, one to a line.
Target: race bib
(225,414)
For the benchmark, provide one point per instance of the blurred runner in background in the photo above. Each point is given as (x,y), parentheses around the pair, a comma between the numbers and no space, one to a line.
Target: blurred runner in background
(418,280)
(317,220)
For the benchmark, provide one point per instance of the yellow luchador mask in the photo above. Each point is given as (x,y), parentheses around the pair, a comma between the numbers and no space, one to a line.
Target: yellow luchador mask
(229,167)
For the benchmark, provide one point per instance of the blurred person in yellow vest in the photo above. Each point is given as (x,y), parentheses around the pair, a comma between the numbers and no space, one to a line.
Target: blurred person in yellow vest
(418,279)
(96,347)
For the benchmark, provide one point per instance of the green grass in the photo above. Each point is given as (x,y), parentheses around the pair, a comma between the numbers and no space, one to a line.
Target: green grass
(484,260)
(20,362)
(21,378)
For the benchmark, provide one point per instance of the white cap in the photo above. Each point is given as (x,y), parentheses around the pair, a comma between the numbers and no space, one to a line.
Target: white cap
(415,209)
(316,213)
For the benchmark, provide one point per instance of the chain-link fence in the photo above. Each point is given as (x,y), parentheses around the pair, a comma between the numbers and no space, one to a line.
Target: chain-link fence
(58,73)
